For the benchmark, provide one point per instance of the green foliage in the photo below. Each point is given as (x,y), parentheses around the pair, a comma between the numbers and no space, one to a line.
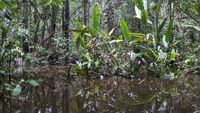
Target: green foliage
(125,30)
(169,30)
(44,2)
(139,4)
(17,90)
(2,6)
(141,11)
(161,27)
(147,43)
(96,19)
(144,17)
(32,82)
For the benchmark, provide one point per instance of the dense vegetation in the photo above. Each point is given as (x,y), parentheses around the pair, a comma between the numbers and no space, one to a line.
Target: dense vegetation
(129,38)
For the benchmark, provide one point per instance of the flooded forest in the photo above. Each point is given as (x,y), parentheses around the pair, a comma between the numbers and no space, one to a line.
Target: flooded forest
(99,56)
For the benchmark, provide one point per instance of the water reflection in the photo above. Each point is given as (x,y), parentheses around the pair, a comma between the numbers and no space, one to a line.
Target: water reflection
(57,94)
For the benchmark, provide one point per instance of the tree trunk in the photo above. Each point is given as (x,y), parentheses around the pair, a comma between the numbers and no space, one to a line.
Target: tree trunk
(65,20)
(86,14)
(110,17)
(25,43)
(65,101)
(36,21)
(53,27)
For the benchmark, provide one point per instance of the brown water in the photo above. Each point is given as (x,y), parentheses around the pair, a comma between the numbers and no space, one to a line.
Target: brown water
(57,93)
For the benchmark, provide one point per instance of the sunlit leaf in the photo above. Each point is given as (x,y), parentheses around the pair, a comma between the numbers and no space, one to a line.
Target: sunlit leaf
(165,44)
(145,4)
(76,36)
(96,89)
(193,26)
(96,63)
(33,83)
(82,42)
(2,5)
(138,12)
(170,76)
(17,90)
(115,41)
(89,65)
(173,55)
(80,65)
(125,30)
(110,33)
(96,19)
(139,35)
(137,40)
(142,14)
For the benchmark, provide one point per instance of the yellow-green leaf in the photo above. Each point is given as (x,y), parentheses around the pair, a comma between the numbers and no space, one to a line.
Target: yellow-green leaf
(125,30)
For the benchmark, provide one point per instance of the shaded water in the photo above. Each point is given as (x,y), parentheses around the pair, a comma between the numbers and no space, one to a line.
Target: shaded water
(57,93)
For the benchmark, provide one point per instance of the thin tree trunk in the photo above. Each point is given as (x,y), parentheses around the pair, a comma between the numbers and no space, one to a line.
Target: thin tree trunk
(25,44)
(65,101)
(37,23)
(110,17)
(53,27)
(67,13)
(43,31)
(66,19)
(86,9)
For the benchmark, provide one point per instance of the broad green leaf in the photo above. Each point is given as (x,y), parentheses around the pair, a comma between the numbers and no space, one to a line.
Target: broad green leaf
(96,19)
(161,26)
(144,17)
(17,90)
(125,30)
(169,30)
(82,42)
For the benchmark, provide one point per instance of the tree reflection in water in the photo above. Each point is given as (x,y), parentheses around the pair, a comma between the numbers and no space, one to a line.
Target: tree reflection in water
(110,95)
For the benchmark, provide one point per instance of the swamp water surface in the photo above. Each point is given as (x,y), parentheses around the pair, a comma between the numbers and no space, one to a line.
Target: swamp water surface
(59,94)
